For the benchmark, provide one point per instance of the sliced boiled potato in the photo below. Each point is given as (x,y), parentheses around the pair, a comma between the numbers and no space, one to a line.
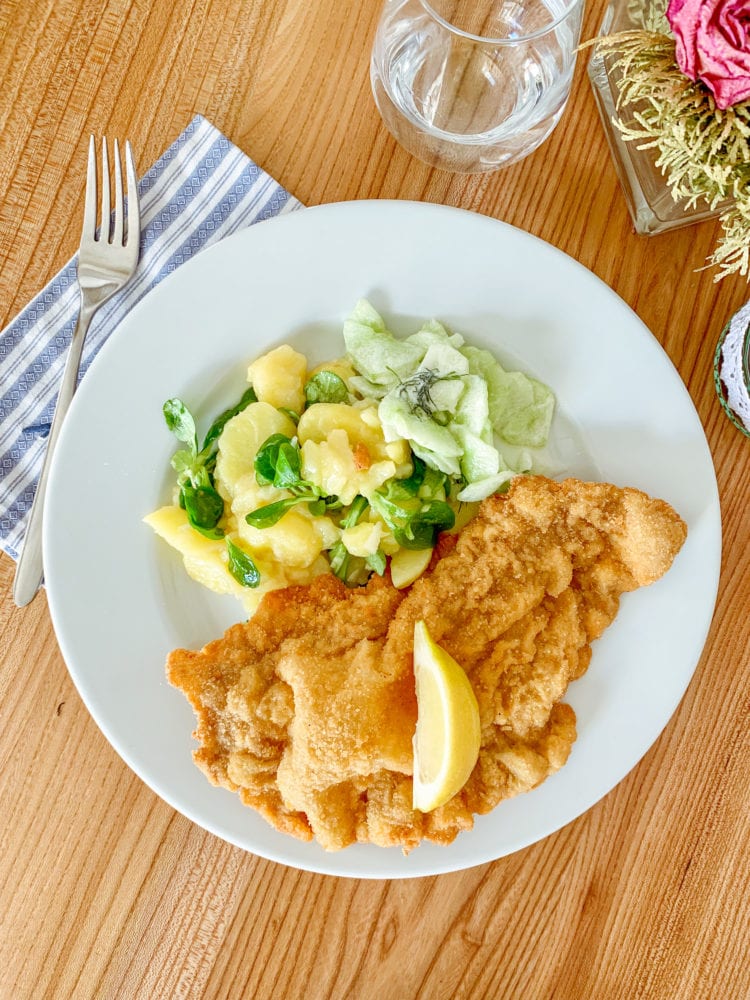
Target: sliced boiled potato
(388,544)
(205,559)
(400,453)
(279,377)
(362,539)
(464,514)
(328,531)
(242,437)
(344,451)
(336,469)
(299,535)
(362,426)
(249,495)
(319,419)
(407,565)
(292,541)
(271,578)
(306,574)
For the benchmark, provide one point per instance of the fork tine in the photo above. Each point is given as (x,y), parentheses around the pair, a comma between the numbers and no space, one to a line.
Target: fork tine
(105,220)
(134,213)
(119,207)
(104,269)
(89,208)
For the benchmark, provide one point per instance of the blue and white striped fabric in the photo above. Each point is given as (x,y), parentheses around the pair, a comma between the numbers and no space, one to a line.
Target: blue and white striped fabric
(202,189)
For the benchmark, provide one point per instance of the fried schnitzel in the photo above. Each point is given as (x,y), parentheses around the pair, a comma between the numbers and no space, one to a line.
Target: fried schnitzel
(308,710)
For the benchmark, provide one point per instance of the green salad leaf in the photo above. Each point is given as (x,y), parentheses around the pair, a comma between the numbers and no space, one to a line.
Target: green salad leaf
(340,557)
(376,562)
(377,354)
(181,423)
(241,566)
(195,469)
(326,387)
(452,402)
(414,522)
(288,465)
(520,407)
(204,508)
(214,431)
(447,399)
(271,513)
(409,487)
(267,457)
(278,463)
(292,414)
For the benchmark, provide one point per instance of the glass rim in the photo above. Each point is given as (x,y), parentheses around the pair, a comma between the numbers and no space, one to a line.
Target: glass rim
(501,40)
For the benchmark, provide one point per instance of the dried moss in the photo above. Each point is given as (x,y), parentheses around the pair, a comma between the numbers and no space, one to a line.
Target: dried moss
(702,151)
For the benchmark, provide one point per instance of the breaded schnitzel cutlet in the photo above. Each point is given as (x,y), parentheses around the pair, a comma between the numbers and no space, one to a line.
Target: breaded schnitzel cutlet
(308,710)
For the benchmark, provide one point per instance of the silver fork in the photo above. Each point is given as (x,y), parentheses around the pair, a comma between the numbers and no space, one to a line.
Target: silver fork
(106,262)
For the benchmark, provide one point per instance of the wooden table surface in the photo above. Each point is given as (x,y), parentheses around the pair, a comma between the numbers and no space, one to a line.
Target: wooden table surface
(105,891)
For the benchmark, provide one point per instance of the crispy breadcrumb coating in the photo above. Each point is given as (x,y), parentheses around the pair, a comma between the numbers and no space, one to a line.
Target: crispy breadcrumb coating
(308,710)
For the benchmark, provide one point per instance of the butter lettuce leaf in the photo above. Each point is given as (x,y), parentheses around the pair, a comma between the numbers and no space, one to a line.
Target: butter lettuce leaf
(374,351)
(521,408)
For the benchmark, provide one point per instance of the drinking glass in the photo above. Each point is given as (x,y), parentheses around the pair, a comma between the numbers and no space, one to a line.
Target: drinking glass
(473,85)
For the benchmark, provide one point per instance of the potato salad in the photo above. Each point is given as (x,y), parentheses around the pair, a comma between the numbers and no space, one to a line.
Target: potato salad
(353,467)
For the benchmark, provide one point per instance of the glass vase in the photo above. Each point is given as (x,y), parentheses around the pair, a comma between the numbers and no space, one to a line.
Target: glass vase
(650,202)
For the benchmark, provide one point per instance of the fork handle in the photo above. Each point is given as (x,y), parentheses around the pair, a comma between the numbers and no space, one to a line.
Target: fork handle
(30,569)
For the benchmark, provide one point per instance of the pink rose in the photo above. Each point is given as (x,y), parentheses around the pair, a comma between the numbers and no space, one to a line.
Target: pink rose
(713,45)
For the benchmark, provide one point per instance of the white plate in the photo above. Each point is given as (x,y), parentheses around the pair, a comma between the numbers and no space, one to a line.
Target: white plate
(120,601)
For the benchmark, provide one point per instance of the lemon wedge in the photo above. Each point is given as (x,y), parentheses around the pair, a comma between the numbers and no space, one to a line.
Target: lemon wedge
(447,738)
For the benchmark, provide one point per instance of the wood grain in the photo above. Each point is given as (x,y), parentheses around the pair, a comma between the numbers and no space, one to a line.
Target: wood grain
(105,892)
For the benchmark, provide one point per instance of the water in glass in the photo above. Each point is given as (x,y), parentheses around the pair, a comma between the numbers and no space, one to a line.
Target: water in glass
(473,85)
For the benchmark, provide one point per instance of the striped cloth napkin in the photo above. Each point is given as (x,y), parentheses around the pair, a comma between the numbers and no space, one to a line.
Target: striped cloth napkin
(202,189)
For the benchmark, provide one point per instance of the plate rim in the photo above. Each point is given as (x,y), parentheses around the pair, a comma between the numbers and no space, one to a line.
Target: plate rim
(289,220)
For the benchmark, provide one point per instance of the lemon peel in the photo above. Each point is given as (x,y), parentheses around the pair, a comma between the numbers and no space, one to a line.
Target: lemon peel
(448,734)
